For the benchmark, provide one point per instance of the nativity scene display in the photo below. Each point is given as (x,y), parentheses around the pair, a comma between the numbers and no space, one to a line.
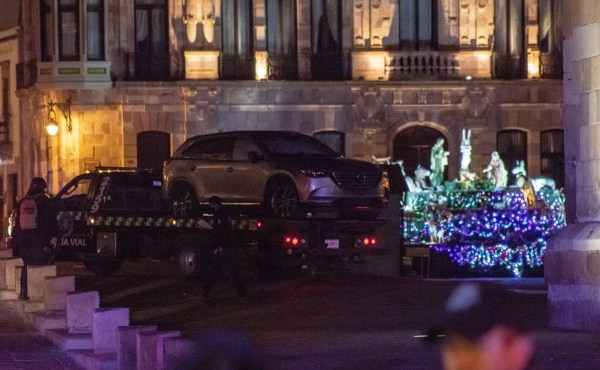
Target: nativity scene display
(483,222)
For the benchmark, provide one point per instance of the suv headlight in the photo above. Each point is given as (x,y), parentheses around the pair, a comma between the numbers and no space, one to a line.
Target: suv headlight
(311,173)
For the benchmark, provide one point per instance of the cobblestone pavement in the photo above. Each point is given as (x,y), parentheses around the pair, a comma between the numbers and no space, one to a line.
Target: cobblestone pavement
(24,348)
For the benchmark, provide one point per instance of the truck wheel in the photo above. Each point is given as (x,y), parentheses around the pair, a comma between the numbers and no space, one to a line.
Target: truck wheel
(282,199)
(103,266)
(188,261)
(184,202)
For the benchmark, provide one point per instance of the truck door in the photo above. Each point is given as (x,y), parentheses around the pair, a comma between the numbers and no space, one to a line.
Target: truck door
(72,203)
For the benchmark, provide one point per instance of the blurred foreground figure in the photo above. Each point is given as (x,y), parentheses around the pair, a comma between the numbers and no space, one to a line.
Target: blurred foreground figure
(484,327)
(225,350)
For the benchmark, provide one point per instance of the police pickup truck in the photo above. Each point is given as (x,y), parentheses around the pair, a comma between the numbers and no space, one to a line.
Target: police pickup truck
(112,214)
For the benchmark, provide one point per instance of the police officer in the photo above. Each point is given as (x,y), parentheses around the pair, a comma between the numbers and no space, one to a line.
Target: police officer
(37,229)
(223,254)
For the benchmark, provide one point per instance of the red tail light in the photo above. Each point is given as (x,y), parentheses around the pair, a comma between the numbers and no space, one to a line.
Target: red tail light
(294,241)
(365,241)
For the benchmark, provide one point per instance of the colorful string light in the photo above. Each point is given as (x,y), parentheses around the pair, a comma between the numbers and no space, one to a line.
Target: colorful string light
(485,229)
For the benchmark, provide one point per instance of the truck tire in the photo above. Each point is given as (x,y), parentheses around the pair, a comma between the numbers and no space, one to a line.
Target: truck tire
(184,202)
(188,261)
(282,198)
(192,255)
(103,266)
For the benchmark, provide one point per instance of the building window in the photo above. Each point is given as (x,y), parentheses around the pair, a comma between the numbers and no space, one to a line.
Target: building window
(327,60)
(151,34)
(46,28)
(68,30)
(512,147)
(510,60)
(334,139)
(282,43)
(550,36)
(418,31)
(95,29)
(238,45)
(552,154)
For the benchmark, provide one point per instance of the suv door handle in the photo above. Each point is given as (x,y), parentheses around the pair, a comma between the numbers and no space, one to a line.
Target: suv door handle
(229,169)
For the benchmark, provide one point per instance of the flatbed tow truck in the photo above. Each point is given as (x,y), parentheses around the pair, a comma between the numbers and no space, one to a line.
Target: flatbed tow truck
(113,214)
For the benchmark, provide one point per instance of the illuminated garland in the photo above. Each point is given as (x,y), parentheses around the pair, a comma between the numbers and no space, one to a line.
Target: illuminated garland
(485,229)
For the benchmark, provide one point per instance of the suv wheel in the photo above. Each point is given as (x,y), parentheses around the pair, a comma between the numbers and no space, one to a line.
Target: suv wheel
(282,199)
(184,202)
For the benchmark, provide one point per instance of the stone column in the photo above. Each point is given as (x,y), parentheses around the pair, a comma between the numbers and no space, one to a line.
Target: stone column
(572,261)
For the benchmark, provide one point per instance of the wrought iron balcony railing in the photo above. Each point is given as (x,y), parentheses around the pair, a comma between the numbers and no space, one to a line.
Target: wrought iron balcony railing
(238,67)
(148,67)
(282,67)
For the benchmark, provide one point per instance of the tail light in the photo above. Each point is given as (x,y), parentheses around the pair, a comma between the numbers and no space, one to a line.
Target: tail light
(294,241)
(365,241)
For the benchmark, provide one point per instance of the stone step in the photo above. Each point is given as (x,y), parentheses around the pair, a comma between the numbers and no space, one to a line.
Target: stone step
(95,359)
(36,279)
(45,320)
(6,253)
(127,345)
(69,341)
(150,349)
(105,327)
(6,294)
(23,307)
(80,310)
(56,289)
(7,271)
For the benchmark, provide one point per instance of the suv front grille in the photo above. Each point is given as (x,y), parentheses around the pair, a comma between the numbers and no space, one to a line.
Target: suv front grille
(357,181)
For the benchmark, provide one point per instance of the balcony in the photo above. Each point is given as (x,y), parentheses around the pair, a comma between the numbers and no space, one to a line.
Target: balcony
(282,67)
(327,66)
(73,75)
(238,67)
(422,65)
(148,67)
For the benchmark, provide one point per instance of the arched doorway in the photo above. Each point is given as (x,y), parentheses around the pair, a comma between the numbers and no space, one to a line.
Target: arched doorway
(153,148)
(413,146)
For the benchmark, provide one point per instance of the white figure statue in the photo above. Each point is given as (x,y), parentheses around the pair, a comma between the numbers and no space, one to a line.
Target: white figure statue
(439,161)
(538,183)
(496,171)
(465,160)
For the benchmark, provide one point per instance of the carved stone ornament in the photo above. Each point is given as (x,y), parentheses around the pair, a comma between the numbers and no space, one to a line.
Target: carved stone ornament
(371,107)
(475,103)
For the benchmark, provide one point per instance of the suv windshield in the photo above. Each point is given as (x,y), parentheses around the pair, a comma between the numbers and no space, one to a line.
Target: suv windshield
(292,146)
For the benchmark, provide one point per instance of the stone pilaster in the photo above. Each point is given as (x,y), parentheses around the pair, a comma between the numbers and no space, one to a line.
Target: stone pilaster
(572,260)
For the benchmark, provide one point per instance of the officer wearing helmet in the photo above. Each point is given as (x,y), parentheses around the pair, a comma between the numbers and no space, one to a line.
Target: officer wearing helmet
(36,229)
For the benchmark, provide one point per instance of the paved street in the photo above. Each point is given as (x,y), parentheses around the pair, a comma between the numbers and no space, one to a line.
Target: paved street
(349,322)
(23,348)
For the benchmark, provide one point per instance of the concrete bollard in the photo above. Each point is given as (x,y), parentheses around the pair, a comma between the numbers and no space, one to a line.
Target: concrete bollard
(80,310)
(56,288)
(105,327)
(177,350)
(150,349)
(7,272)
(127,357)
(36,280)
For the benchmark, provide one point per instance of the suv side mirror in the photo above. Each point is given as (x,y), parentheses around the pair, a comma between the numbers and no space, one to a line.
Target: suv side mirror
(255,157)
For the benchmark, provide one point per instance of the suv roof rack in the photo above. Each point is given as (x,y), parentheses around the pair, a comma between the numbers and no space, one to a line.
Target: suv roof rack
(101,169)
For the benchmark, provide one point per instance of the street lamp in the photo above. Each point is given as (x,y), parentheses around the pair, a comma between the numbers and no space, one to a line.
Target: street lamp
(65,108)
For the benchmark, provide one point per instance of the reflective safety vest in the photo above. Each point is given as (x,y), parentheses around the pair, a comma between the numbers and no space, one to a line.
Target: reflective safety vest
(28,213)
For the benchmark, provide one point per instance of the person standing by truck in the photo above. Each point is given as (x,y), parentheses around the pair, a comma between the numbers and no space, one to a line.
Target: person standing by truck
(223,254)
(36,229)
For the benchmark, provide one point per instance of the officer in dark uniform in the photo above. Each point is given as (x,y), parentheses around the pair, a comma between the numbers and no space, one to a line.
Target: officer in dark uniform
(223,254)
(36,228)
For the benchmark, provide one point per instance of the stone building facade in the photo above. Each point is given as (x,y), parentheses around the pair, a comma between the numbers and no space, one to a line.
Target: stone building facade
(128,81)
